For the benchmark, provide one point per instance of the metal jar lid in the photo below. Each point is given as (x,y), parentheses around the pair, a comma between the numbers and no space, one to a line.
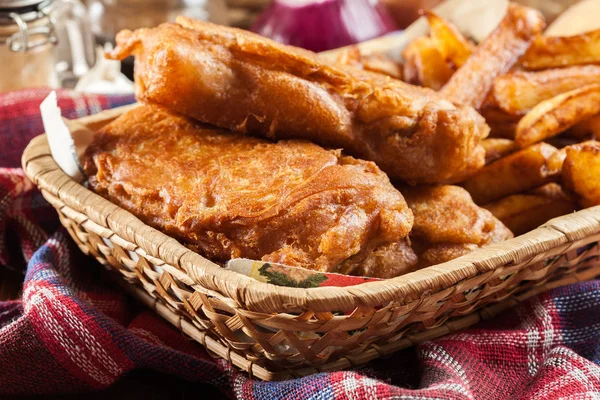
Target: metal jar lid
(33,26)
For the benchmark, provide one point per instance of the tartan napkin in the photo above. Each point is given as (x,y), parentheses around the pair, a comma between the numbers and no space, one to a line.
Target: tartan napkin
(72,331)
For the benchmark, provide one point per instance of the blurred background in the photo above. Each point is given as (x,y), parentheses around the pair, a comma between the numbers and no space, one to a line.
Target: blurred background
(60,43)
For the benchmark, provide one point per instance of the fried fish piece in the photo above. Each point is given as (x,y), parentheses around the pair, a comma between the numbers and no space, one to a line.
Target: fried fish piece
(379,63)
(249,84)
(448,224)
(387,261)
(227,195)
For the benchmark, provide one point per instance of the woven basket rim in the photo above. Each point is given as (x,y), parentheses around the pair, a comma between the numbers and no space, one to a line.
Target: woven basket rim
(551,238)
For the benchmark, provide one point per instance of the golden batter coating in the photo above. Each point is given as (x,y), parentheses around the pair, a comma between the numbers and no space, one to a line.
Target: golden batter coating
(227,195)
(246,83)
(387,261)
(448,224)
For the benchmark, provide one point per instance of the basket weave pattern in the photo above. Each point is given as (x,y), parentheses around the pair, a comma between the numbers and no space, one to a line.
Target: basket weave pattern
(277,333)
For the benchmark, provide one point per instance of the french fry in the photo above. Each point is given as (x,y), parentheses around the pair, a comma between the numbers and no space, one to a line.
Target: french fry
(562,51)
(496,148)
(516,173)
(425,65)
(554,191)
(555,115)
(502,124)
(581,172)
(494,56)
(451,43)
(524,212)
(518,92)
(556,160)
(589,128)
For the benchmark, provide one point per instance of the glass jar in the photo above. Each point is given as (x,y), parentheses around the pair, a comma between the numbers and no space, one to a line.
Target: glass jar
(27,41)
(43,43)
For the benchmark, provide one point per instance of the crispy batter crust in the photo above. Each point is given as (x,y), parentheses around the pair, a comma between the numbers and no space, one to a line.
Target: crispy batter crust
(448,224)
(228,195)
(240,81)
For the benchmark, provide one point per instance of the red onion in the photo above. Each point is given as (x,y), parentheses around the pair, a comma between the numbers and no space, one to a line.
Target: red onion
(320,25)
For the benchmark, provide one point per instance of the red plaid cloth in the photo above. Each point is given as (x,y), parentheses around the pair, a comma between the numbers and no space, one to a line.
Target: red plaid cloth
(72,331)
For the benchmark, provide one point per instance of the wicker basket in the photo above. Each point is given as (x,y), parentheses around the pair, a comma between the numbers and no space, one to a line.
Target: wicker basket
(276,333)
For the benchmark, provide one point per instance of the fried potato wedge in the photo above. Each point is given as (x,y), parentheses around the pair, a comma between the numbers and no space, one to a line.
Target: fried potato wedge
(496,148)
(502,124)
(424,64)
(518,92)
(555,115)
(451,43)
(471,83)
(586,129)
(553,191)
(556,160)
(516,173)
(581,172)
(523,212)
(561,51)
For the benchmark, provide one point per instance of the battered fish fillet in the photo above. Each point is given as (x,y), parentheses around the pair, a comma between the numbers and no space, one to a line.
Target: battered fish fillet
(448,224)
(227,195)
(249,84)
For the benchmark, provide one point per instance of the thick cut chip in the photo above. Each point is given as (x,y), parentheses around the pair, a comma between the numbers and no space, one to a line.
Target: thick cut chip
(496,148)
(581,172)
(494,56)
(518,92)
(524,212)
(448,39)
(589,128)
(563,51)
(425,65)
(555,115)
(501,123)
(516,173)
